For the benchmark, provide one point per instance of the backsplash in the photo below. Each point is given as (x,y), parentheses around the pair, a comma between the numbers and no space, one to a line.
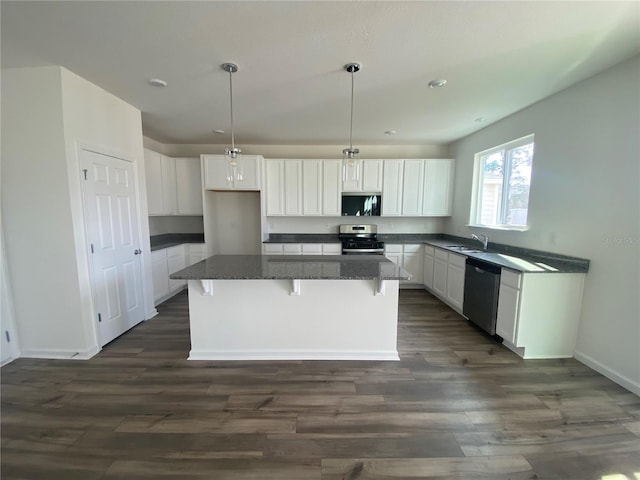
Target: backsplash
(330,224)
(175,224)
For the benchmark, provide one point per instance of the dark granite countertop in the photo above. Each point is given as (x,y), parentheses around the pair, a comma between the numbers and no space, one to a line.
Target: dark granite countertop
(293,267)
(166,240)
(514,258)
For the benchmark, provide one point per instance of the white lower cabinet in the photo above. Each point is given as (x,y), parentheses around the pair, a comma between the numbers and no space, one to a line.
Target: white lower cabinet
(160,275)
(440,270)
(166,261)
(301,248)
(538,313)
(409,257)
(455,280)
(427,269)
(444,276)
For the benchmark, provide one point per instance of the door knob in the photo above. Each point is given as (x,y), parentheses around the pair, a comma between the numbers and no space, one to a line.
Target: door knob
(137,251)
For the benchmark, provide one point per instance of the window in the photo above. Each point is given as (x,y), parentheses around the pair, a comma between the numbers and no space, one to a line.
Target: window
(503,176)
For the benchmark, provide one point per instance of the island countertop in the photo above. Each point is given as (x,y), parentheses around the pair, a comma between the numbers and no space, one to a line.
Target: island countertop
(293,267)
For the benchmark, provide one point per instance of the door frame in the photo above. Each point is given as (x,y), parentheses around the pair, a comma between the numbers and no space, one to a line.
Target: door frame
(145,259)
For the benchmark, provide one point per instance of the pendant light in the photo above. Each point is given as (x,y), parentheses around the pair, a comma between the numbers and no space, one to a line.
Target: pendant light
(350,154)
(232,153)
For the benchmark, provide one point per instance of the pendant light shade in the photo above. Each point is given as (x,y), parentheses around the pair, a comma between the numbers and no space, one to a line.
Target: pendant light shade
(232,152)
(351,153)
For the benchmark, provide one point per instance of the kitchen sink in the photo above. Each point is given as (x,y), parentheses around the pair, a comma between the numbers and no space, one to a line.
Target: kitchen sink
(464,248)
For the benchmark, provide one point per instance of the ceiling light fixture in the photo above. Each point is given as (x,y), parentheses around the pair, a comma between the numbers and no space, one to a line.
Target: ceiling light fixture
(233,152)
(156,82)
(437,83)
(351,153)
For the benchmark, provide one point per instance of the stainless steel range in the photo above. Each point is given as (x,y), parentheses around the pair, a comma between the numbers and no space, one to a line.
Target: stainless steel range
(360,240)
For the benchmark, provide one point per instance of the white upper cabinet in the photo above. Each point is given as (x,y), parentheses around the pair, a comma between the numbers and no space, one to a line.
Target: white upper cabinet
(413,187)
(392,188)
(303,187)
(293,187)
(174,185)
(362,176)
(417,188)
(188,186)
(438,187)
(331,191)
(312,187)
(219,174)
(153,175)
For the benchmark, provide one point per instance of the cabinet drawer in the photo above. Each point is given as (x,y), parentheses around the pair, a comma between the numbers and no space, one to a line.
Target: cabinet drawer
(442,254)
(332,249)
(292,249)
(412,248)
(312,249)
(429,250)
(272,248)
(510,278)
(457,260)
(176,263)
(392,248)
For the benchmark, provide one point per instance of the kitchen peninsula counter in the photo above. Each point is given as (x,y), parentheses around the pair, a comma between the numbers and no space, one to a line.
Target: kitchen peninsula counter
(274,307)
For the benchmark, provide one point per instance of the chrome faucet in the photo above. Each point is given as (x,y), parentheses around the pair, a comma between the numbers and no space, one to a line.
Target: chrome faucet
(482,238)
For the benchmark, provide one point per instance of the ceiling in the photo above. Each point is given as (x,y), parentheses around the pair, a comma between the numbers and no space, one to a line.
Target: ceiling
(498,57)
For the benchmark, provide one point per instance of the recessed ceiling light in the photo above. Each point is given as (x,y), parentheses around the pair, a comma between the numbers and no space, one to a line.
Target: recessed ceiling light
(156,82)
(437,83)
(480,119)
(390,132)
(219,132)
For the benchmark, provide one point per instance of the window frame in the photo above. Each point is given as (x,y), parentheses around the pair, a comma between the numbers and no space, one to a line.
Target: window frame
(475,215)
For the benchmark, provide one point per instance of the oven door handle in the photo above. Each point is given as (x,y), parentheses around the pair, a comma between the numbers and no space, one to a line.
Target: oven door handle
(363,250)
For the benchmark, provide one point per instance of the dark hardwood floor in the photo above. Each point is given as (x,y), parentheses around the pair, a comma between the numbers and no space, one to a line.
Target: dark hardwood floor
(457,405)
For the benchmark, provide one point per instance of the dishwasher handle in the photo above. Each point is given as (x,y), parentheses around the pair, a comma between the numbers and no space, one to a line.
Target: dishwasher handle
(481,266)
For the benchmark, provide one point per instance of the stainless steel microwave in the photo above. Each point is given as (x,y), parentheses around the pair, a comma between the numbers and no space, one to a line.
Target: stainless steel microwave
(361,205)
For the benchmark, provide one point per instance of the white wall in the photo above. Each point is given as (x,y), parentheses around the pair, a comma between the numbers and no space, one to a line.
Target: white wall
(175,224)
(584,201)
(47,114)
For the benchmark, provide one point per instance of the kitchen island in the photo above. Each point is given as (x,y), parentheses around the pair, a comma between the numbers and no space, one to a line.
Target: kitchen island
(264,307)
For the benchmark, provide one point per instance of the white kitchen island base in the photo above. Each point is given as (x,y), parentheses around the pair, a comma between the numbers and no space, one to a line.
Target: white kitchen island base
(260,319)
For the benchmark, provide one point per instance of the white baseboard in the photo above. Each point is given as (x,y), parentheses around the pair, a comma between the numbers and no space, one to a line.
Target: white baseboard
(627,383)
(150,314)
(290,355)
(61,354)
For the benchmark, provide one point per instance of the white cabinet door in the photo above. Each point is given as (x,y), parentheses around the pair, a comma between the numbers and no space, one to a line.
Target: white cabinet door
(292,249)
(331,249)
(176,260)
(153,176)
(508,306)
(352,175)
(169,195)
(455,281)
(428,268)
(412,191)
(196,253)
(371,176)
(413,263)
(159,274)
(392,188)
(274,184)
(188,186)
(292,187)
(331,191)
(438,187)
(312,187)
(394,257)
(440,270)
(219,174)
(311,249)
(248,173)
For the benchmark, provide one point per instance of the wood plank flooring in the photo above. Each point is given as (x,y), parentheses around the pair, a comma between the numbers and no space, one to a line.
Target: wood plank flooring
(457,406)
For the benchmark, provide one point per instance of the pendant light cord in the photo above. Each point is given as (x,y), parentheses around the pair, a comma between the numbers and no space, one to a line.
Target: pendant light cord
(351,126)
(233,142)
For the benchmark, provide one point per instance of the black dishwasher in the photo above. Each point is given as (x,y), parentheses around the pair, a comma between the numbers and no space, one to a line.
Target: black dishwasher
(481,286)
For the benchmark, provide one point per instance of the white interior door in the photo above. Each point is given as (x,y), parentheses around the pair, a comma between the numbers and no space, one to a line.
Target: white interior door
(112,229)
